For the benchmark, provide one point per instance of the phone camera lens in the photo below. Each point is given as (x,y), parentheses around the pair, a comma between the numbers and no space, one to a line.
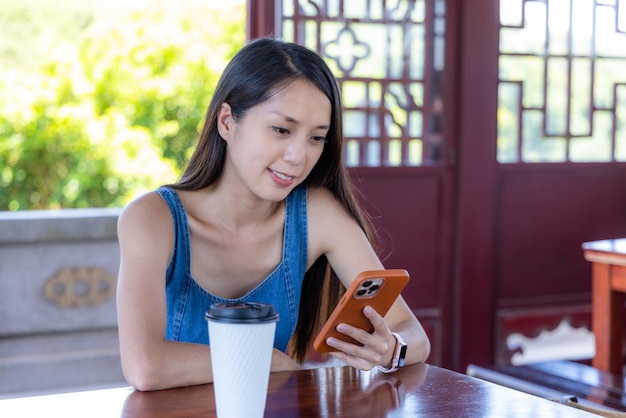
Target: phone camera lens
(367,283)
(361,292)
(374,288)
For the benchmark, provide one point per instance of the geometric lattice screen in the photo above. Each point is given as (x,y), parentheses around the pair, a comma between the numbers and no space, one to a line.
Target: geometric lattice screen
(562,81)
(388,58)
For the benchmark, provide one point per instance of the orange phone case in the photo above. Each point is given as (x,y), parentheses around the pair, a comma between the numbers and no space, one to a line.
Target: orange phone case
(362,292)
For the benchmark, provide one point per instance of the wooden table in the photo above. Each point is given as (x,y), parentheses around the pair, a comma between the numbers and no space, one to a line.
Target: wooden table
(415,391)
(556,379)
(608,258)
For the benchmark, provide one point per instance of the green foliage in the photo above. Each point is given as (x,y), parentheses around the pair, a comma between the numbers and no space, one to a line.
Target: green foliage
(113,112)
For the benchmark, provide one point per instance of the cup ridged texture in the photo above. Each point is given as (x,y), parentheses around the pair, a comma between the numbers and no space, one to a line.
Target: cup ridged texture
(241,357)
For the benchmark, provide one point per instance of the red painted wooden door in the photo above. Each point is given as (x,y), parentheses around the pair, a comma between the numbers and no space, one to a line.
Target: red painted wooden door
(489,140)
(391,61)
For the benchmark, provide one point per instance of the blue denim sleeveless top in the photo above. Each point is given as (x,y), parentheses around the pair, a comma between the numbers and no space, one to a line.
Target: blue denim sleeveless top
(187,302)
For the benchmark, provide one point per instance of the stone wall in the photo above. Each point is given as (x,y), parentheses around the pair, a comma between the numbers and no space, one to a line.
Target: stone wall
(58,326)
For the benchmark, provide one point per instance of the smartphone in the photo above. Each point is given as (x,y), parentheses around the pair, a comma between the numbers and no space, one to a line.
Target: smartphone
(376,288)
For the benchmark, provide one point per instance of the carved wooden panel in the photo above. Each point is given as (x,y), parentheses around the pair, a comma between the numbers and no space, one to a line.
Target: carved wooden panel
(562,83)
(388,57)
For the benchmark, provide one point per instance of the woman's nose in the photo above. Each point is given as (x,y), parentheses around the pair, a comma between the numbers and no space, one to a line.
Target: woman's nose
(295,153)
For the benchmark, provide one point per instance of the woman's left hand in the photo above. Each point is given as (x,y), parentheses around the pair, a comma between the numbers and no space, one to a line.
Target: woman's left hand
(377,348)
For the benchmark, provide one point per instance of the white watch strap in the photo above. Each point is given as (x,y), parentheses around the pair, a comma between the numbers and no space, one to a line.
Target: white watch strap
(396,355)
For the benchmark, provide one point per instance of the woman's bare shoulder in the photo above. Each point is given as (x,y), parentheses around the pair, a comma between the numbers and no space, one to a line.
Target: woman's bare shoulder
(324,206)
(148,211)
(328,217)
(321,198)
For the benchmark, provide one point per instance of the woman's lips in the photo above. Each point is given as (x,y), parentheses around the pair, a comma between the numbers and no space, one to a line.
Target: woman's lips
(281,178)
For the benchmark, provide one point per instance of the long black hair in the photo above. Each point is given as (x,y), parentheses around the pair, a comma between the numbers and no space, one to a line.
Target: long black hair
(256,72)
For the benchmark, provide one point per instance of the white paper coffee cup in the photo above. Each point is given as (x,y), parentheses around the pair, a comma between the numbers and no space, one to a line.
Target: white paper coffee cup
(241,337)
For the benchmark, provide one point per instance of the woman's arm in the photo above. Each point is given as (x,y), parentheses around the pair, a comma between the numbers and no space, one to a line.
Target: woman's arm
(336,234)
(149,361)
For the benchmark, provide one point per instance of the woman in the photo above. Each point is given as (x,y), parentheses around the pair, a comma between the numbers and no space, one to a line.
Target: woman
(264,212)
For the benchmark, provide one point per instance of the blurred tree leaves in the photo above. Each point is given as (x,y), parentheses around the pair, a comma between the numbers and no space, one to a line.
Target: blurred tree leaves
(106,101)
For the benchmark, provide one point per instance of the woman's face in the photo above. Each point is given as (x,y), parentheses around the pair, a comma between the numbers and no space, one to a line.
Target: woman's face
(274,147)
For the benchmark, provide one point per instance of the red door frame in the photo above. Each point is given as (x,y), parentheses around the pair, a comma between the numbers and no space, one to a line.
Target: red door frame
(474,278)
(452,301)
(465,300)
(491,280)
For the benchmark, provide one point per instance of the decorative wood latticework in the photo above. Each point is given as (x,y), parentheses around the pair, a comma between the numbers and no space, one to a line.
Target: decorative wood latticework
(388,57)
(562,81)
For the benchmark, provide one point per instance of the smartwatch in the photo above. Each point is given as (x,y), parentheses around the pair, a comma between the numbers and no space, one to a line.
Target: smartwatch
(399,355)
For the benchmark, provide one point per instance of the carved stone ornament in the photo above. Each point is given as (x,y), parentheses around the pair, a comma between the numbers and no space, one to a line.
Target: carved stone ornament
(78,287)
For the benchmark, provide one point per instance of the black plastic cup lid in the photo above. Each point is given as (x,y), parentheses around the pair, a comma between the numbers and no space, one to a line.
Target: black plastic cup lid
(241,312)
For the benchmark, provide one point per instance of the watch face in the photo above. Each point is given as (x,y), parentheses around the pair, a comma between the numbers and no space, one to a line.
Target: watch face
(402,355)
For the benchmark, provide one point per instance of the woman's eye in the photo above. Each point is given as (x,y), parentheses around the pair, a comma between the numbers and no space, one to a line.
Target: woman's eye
(319,139)
(281,131)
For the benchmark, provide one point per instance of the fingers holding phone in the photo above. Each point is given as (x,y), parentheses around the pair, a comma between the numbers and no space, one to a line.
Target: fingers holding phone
(356,332)
(366,349)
